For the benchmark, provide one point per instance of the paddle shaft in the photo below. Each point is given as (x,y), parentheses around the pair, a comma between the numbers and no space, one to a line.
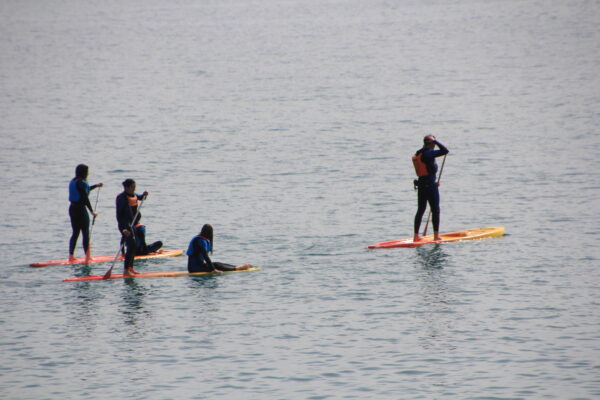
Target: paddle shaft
(437,183)
(94,219)
(109,272)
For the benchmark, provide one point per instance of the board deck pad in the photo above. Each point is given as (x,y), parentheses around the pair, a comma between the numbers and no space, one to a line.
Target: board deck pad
(107,258)
(467,234)
(165,274)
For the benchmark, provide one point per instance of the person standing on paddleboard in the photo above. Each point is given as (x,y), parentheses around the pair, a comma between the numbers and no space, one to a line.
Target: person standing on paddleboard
(127,210)
(198,259)
(80,203)
(428,192)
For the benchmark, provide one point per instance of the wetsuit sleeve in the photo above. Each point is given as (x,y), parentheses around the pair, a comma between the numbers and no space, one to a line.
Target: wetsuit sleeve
(442,151)
(84,196)
(93,187)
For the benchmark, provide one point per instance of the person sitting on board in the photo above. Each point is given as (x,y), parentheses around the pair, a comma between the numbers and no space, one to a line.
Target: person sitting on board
(80,203)
(127,210)
(426,168)
(198,259)
(142,248)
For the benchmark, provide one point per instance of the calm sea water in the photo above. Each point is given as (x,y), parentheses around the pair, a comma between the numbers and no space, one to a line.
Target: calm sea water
(289,126)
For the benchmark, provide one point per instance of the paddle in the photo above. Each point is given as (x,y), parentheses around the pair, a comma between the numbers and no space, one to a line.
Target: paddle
(109,272)
(89,252)
(438,182)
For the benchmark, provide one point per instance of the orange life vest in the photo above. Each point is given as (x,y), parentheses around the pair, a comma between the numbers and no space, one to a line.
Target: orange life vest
(420,166)
(132,201)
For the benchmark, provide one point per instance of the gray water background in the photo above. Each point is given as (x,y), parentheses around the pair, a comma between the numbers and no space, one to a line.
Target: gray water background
(289,126)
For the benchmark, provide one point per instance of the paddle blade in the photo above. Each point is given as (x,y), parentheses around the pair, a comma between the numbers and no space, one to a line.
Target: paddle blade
(108,273)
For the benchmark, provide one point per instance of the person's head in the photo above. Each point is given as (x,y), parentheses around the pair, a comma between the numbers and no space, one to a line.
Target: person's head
(207,232)
(429,142)
(129,186)
(81,171)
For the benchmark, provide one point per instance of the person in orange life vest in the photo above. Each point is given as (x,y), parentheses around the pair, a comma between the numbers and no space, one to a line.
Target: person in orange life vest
(80,203)
(197,252)
(127,209)
(426,168)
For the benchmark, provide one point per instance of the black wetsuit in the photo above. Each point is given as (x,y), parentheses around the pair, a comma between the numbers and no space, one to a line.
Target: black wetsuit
(198,259)
(125,215)
(140,238)
(80,220)
(427,188)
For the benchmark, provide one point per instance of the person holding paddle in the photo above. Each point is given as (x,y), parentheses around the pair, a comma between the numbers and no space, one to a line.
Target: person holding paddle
(198,259)
(426,169)
(128,204)
(80,203)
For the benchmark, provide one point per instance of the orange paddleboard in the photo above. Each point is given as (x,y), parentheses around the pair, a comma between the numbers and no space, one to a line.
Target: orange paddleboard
(106,258)
(467,234)
(168,274)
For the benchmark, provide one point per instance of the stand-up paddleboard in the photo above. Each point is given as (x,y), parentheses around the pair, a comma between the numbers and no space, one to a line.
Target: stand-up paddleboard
(106,258)
(168,274)
(468,234)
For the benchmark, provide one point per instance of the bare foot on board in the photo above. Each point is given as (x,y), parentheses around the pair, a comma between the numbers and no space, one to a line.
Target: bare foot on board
(129,273)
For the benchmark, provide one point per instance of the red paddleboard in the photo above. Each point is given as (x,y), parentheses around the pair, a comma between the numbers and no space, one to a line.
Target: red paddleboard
(168,274)
(106,258)
(468,234)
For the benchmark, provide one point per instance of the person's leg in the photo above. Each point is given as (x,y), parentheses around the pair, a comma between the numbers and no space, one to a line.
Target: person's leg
(85,233)
(422,206)
(224,267)
(76,228)
(434,203)
(153,248)
(129,255)
(230,267)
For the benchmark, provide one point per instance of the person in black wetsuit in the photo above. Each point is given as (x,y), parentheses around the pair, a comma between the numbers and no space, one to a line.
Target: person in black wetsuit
(80,203)
(127,210)
(198,258)
(140,239)
(426,168)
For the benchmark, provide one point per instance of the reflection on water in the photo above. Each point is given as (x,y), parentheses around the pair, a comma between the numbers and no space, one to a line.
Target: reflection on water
(431,257)
(84,308)
(204,282)
(132,308)
(435,311)
(82,270)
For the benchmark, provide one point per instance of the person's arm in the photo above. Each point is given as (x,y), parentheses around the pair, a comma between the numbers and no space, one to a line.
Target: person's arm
(442,149)
(204,253)
(97,185)
(84,196)
(122,211)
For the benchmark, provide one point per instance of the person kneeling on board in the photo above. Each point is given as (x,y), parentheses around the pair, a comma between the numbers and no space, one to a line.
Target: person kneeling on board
(142,248)
(198,259)
(127,212)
